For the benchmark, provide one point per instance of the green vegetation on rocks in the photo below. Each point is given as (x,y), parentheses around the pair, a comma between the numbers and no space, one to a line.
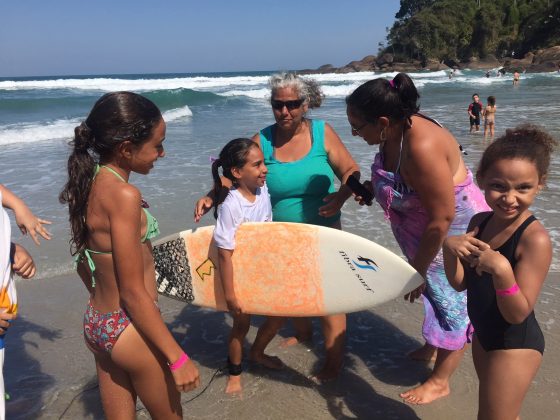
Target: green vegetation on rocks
(455,31)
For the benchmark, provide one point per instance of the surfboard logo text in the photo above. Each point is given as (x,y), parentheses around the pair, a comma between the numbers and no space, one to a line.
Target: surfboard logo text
(205,269)
(352,265)
(369,264)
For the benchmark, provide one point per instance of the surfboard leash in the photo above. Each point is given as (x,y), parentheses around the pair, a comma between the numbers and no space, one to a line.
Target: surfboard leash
(218,370)
(76,396)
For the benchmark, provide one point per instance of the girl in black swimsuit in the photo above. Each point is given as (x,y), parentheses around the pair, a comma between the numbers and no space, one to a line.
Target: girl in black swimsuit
(502,262)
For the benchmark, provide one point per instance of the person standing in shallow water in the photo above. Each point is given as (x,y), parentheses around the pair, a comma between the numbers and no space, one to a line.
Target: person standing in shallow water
(135,353)
(303,156)
(474,111)
(427,193)
(490,117)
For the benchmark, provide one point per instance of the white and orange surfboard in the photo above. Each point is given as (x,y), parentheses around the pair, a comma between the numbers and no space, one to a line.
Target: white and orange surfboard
(288,269)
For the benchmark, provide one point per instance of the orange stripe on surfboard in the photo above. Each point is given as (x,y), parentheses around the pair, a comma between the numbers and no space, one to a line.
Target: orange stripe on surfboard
(293,257)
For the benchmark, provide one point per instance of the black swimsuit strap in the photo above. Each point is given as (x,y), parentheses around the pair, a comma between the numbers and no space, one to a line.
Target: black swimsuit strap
(515,235)
(436,122)
(483,224)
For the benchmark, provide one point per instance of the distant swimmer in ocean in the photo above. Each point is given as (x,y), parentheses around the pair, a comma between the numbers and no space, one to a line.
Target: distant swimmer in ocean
(242,162)
(490,116)
(502,262)
(516,78)
(427,193)
(14,259)
(474,111)
(111,227)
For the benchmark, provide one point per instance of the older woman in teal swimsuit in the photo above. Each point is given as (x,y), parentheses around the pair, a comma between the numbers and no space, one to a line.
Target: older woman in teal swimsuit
(303,156)
(135,354)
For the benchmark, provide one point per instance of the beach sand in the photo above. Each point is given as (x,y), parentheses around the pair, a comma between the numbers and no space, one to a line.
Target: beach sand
(50,374)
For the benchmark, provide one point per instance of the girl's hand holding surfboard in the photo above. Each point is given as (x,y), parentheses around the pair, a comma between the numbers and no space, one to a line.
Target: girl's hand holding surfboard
(233,305)
(416,293)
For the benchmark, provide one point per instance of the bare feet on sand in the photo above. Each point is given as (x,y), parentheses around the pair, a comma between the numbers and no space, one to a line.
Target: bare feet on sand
(426,353)
(233,385)
(328,373)
(292,341)
(271,362)
(429,391)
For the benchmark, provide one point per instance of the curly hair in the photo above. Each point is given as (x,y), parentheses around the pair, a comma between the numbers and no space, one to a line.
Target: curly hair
(307,89)
(526,141)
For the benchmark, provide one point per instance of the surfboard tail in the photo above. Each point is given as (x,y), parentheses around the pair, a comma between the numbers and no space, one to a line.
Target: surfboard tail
(173,275)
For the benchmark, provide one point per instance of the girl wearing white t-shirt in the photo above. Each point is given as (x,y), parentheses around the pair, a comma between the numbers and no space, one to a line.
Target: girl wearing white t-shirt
(242,163)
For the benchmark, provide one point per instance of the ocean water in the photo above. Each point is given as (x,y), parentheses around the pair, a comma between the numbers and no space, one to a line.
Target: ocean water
(204,111)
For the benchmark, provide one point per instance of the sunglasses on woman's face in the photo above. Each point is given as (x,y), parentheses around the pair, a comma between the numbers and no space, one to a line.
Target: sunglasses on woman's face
(291,105)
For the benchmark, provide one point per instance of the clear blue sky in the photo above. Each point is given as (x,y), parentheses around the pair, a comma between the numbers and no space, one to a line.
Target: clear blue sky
(72,37)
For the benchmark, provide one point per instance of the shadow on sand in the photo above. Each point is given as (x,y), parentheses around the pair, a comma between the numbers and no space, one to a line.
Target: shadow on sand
(375,351)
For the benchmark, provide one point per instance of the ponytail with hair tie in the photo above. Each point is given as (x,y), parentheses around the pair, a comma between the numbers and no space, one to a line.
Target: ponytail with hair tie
(83,138)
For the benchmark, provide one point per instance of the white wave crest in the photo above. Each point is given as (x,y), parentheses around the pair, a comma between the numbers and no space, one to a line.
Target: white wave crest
(177,114)
(261,93)
(62,129)
(32,133)
(116,84)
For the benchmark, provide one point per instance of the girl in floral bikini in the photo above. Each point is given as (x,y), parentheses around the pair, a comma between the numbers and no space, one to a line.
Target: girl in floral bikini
(135,354)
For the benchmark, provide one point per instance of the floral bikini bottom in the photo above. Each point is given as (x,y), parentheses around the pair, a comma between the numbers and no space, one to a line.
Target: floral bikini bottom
(102,330)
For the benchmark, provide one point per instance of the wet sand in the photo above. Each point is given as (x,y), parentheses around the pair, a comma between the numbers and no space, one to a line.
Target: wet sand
(50,374)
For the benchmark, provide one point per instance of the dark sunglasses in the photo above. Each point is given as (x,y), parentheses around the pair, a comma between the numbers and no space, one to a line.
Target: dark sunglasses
(291,105)
(356,130)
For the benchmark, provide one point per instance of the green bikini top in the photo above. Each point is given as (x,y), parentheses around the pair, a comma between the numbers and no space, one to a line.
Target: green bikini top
(152,228)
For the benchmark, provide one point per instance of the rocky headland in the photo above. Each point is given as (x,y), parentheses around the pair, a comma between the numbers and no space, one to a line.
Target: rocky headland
(544,60)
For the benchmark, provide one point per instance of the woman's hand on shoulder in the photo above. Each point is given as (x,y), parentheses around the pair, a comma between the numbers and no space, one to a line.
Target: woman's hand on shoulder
(186,377)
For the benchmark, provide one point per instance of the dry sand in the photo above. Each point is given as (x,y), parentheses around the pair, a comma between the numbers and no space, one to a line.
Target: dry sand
(49,372)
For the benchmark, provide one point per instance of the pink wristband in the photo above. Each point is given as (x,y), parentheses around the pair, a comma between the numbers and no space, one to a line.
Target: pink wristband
(507,292)
(180,362)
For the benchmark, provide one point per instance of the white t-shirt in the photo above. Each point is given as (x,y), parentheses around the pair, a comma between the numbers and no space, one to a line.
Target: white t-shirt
(235,210)
(8,297)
